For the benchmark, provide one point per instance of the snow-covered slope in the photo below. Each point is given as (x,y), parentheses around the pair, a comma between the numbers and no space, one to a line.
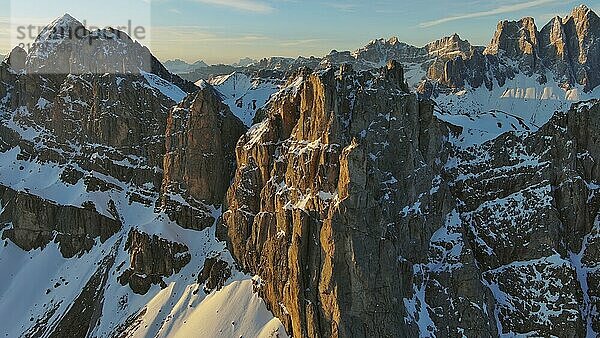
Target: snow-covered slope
(245,95)
(86,247)
(521,105)
(53,284)
(41,285)
(165,87)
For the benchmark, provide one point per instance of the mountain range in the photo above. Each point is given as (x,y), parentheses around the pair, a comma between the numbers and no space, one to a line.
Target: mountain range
(178,66)
(393,191)
(181,67)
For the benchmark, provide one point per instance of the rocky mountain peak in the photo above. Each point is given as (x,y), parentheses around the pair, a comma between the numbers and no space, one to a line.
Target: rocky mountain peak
(63,27)
(452,44)
(67,47)
(393,40)
(201,134)
(514,39)
(582,11)
(586,21)
(16,59)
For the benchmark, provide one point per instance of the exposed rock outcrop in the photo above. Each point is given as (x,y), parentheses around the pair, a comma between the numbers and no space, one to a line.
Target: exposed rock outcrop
(333,207)
(16,59)
(517,40)
(214,274)
(34,222)
(530,206)
(85,312)
(199,164)
(151,259)
(362,219)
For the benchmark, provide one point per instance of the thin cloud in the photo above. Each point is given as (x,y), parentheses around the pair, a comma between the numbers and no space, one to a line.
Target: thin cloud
(197,34)
(241,5)
(296,43)
(495,11)
(342,6)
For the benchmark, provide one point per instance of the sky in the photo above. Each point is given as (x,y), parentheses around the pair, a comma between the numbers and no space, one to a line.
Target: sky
(223,31)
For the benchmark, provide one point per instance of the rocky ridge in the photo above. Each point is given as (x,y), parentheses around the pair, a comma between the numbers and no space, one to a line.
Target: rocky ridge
(200,139)
(86,156)
(387,227)
(564,51)
(340,175)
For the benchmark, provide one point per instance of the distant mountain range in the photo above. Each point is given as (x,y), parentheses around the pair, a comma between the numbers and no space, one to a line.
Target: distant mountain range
(542,70)
(178,66)
(565,47)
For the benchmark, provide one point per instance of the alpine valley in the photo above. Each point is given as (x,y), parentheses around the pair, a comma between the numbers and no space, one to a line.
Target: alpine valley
(449,190)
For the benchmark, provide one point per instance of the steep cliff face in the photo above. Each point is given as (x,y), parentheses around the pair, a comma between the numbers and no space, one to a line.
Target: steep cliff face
(87,248)
(582,31)
(517,40)
(530,208)
(363,215)
(32,223)
(568,46)
(335,199)
(199,164)
(152,258)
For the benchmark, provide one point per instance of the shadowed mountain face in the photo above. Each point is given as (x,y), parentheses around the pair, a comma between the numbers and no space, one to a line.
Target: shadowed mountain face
(87,143)
(136,203)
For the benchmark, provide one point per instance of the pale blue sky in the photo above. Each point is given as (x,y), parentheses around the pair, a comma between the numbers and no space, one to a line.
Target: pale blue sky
(226,30)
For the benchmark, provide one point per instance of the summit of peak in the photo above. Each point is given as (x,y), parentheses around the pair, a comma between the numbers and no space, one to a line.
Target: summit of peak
(393,40)
(582,11)
(581,8)
(61,27)
(66,20)
(67,16)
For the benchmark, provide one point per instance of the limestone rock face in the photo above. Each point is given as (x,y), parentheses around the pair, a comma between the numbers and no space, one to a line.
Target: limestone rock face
(449,44)
(583,31)
(33,223)
(361,217)
(7,78)
(199,164)
(333,207)
(151,259)
(214,274)
(517,40)
(16,59)
(530,206)
(444,50)
(394,50)
(568,46)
